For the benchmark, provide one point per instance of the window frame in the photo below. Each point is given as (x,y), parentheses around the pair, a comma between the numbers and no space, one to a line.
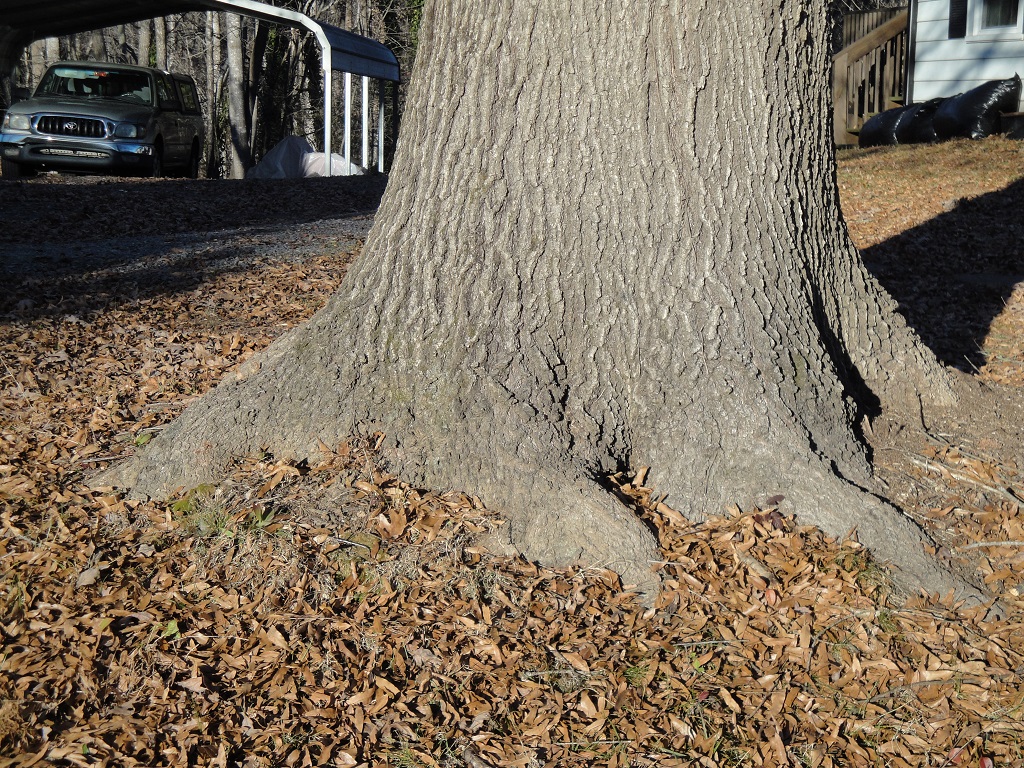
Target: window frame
(189,97)
(976,33)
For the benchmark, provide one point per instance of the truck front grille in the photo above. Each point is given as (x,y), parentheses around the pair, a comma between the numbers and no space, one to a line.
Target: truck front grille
(58,125)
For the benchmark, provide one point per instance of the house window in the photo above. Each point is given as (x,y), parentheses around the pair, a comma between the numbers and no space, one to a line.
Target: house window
(998,13)
(995,20)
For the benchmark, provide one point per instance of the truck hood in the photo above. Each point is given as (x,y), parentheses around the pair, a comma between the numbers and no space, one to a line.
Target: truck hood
(105,109)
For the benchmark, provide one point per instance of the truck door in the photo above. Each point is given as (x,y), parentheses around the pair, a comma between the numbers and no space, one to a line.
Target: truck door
(170,120)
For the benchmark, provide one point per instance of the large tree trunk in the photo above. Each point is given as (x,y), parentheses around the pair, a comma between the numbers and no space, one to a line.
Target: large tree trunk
(611,239)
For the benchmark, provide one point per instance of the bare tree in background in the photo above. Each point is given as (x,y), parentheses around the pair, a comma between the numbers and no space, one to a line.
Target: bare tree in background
(237,101)
(97,46)
(160,43)
(145,46)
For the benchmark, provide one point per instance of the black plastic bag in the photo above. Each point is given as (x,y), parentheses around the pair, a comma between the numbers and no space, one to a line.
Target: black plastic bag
(880,130)
(975,114)
(916,126)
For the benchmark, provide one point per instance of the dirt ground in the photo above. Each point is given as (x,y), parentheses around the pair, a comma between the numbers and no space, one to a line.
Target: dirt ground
(333,615)
(940,229)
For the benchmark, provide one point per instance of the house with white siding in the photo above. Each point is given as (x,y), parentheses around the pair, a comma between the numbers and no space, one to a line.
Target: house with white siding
(932,49)
(956,45)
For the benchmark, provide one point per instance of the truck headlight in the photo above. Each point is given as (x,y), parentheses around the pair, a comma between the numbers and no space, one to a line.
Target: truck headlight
(17,122)
(129,131)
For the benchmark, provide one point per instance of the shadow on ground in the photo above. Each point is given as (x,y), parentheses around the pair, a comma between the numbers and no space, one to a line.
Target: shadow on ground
(79,244)
(56,209)
(953,274)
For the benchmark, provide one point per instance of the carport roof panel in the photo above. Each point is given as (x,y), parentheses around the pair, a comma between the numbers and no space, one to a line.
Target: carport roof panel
(22,21)
(52,18)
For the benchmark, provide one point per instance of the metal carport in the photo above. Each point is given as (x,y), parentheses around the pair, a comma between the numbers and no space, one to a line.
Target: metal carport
(24,21)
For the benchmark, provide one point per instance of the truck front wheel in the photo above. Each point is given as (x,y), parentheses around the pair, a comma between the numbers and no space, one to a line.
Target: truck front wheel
(157,169)
(11,170)
(192,170)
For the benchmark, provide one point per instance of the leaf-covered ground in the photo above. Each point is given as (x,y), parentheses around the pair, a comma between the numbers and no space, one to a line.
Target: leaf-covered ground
(332,615)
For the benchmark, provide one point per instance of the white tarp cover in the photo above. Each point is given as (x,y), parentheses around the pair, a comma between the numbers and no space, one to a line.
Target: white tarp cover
(294,158)
(313,165)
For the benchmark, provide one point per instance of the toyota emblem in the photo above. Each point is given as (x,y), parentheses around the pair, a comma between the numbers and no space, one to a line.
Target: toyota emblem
(71,126)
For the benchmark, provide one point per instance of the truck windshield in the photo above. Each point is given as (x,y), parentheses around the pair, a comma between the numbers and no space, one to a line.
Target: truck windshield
(97,82)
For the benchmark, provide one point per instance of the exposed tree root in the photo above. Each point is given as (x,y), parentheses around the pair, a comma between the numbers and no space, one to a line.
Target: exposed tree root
(558,516)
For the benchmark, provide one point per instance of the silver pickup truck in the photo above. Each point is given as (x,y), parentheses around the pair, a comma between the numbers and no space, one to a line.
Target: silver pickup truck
(89,117)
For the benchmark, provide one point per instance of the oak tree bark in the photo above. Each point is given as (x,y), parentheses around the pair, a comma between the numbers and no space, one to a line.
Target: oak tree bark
(611,239)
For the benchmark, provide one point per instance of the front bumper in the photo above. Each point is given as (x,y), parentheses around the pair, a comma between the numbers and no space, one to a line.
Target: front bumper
(83,155)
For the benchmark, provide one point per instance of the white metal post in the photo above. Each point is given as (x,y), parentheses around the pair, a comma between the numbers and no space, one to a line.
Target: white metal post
(325,55)
(348,121)
(365,157)
(380,126)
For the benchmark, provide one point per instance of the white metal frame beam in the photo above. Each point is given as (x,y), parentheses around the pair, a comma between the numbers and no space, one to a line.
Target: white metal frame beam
(22,21)
(384,70)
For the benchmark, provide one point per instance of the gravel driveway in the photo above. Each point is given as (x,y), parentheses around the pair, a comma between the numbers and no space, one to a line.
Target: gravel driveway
(64,234)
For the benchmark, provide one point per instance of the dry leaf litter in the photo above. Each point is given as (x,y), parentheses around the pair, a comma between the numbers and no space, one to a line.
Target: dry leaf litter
(332,615)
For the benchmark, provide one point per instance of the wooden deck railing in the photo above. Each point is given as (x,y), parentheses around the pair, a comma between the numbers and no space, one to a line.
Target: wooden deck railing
(869,76)
(856,25)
